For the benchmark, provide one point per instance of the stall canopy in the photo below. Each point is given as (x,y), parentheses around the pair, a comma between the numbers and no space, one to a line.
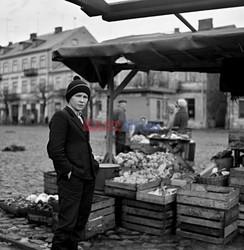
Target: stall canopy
(202,51)
(124,9)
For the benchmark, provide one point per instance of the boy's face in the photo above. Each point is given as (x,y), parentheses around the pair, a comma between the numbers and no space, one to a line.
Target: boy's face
(78,101)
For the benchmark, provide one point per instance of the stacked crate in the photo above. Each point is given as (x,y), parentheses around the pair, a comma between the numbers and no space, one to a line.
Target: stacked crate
(207,213)
(236,180)
(50,182)
(148,217)
(101,218)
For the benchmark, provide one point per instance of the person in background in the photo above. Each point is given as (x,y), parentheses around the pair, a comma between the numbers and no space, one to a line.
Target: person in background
(119,116)
(171,116)
(181,116)
(142,128)
(73,160)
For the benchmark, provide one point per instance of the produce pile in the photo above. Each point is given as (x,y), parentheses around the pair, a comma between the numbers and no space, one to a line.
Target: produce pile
(139,139)
(139,168)
(172,135)
(19,202)
(139,160)
(41,202)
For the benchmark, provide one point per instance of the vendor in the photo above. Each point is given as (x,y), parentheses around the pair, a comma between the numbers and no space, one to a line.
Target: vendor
(181,116)
(142,127)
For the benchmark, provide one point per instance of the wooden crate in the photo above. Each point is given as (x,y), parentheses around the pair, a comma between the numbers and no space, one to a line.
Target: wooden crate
(127,190)
(236,180)
(207,213)
(15,209)
(102,216)
(236,139)
(241,218)
(37,216)
(50,179)
(148,217)
(156,199)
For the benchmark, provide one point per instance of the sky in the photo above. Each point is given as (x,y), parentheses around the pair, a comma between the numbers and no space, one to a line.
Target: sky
(20,18)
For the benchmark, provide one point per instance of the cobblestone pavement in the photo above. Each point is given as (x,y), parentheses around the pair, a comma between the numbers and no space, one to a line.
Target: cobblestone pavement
(21,173)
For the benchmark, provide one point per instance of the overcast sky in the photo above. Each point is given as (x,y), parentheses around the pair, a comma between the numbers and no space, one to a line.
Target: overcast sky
(19,18)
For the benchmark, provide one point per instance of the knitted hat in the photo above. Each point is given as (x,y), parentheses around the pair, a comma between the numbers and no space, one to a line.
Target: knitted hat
(76,86)
(182,103)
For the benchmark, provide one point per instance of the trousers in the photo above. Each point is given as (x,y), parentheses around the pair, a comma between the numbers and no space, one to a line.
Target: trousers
(75,201)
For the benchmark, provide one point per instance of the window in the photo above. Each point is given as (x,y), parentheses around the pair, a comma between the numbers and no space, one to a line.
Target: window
(158,110)
(24,87)
(241,108)
(191,108)
(42,62)
(33,86)
(15,66)
(5,67)
(33,63)
(24,64)
(14,87)
(57,84)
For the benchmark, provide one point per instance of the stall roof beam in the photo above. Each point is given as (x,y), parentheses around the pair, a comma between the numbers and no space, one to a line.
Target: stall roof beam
(144,8)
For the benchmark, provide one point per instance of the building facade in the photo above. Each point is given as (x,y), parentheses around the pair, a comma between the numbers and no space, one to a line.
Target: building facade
(31,84)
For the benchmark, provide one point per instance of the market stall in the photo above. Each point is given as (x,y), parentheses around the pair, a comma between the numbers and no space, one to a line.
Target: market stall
(202,51)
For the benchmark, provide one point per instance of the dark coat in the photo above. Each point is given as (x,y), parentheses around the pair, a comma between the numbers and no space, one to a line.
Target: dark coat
(181,120)
(69,146)
(120,117)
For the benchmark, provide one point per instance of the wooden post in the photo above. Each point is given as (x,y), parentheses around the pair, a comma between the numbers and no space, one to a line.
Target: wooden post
(109,132)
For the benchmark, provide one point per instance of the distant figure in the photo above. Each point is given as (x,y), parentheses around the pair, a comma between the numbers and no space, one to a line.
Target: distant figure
(119,116)
(181,116)
(142,128)
(171,115)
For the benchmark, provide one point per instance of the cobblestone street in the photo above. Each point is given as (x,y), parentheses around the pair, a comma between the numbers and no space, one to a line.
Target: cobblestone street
(21,173)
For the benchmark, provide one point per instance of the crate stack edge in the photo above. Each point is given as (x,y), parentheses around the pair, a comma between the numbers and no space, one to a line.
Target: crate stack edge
(207,213)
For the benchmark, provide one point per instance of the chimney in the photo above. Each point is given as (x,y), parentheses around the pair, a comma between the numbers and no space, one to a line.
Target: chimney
(205,24)
(58,30)
(10,43)
(32,36)
(177,30)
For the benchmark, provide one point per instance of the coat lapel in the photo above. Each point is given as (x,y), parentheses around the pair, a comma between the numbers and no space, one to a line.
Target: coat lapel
(75,119)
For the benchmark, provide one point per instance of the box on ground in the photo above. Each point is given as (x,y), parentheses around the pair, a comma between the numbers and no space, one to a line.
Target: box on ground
(236,180)
(127,190)
(241,218)
(101,219)
(207,213)
(148,217)
(50,180)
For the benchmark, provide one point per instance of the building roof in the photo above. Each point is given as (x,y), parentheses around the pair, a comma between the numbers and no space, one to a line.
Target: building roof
(46,41)
(202,51)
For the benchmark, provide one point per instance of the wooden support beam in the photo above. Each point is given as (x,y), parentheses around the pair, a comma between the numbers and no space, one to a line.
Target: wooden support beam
(110,99)
(124,82)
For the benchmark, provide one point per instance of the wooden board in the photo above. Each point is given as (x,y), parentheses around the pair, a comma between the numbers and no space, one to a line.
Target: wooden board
(148,217)
(157,199)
